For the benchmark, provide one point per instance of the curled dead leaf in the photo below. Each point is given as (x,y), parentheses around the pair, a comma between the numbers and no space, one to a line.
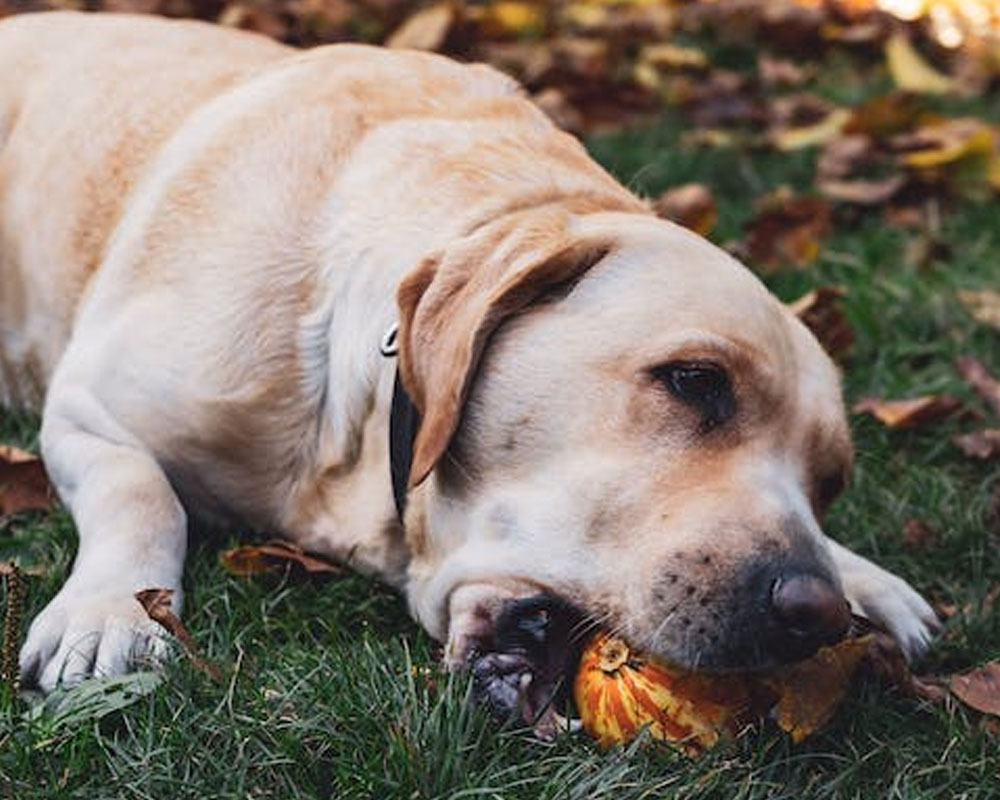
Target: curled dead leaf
(909,413)
(822,312)
(24,484)
(862,192)
(787,229)
(691,205)
(979,689)
(979,444)
(974,373)
(275,556)
(810,691)
(157,604)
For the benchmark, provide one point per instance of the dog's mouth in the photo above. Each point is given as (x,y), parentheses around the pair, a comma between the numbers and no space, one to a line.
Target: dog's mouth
(526,673)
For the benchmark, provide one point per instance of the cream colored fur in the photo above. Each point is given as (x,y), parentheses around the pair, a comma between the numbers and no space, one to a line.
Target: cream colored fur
(203,238)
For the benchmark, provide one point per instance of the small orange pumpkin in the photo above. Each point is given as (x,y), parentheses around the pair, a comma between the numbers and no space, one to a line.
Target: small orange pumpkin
(619,691)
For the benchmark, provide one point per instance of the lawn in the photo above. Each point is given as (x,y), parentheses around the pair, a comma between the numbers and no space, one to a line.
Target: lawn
(329,690)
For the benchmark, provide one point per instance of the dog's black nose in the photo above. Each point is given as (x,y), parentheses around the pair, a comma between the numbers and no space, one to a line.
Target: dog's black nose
(809,612)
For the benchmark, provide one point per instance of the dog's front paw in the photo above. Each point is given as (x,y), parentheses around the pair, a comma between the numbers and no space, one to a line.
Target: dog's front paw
(890,602)
(82,633)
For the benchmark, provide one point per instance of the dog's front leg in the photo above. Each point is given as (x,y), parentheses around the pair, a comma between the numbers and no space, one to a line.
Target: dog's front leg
(132,533)
(886,599)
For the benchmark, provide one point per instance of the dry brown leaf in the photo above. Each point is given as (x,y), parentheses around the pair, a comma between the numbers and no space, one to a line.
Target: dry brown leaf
(974,373)
(862,192)
(276,556)
(781,72)
(581,57)
(844,156)
(983,305)
(787,229)
(811,691)
(886,662)
(530,62)
(156,603)
(979,444)
(24,485)
(426,29)
(979,689)
(918,535)
(723,99)
(690,205)
(885,115)
(822,312)
(910,71)
(851,170)
(909,413)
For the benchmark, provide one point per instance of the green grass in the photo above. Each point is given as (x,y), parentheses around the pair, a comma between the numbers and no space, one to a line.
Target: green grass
(330,690)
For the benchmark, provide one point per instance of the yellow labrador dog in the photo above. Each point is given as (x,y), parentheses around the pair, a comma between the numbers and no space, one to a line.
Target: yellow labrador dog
(204,239)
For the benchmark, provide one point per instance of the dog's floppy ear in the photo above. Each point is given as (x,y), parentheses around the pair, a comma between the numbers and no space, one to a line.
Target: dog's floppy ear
(451,303)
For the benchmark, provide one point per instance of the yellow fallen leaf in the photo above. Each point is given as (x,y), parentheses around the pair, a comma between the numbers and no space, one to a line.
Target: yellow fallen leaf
(952,141)
(983,305)
(513,18)
(909,70)
(827,129)
(671,56)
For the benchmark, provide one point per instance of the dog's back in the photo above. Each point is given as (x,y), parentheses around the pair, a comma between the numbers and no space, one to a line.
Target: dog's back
(84,103)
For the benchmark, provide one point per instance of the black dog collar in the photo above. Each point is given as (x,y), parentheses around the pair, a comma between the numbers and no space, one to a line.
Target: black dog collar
(404,421)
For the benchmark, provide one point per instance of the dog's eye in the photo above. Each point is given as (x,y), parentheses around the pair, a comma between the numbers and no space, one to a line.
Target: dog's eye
(703,386)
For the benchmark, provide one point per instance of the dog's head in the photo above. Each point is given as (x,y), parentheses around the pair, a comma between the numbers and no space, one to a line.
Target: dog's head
(618,413)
